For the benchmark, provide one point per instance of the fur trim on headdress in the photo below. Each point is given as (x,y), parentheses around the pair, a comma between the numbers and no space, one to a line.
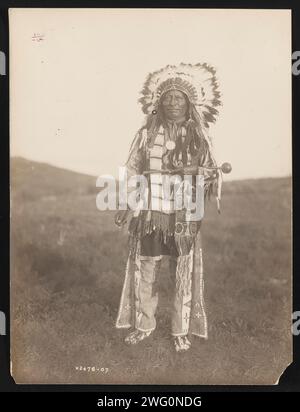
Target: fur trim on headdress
(197,81)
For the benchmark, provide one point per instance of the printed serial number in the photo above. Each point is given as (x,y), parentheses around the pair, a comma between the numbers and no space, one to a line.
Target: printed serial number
(91,369)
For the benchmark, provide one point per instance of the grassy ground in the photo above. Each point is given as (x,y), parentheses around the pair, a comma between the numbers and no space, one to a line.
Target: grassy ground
(67,268)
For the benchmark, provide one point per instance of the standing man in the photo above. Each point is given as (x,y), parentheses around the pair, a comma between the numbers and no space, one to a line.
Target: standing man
(180,102)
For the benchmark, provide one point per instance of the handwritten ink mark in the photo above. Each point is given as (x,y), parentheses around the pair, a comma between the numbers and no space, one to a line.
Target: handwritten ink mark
(38,37)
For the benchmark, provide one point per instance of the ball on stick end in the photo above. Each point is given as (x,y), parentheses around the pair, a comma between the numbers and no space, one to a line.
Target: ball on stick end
(226,167)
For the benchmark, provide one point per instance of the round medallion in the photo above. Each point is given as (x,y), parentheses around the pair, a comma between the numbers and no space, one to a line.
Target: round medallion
(179,228)
(170,145)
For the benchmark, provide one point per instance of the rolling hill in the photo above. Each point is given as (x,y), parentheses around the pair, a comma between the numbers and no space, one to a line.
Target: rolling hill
(67,269)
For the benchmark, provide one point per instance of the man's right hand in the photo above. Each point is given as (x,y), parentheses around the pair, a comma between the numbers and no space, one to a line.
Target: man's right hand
(121,217)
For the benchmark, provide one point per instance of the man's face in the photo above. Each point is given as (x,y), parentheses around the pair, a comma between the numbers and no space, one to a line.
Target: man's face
(174,104)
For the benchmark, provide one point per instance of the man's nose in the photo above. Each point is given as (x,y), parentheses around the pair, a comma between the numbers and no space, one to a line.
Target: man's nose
(172,101)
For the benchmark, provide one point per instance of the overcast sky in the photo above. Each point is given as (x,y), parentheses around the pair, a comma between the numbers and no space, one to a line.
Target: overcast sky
(76,77)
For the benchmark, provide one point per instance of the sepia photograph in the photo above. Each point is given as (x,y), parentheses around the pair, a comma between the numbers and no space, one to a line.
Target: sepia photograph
(150,190)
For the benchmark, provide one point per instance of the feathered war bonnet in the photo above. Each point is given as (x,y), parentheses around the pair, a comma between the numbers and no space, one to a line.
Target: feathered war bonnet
(197,81)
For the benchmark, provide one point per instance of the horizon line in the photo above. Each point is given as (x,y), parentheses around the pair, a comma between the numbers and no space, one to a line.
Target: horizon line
(108,174)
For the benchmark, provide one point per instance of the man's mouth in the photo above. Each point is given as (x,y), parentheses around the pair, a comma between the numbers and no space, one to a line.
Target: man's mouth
(173,110)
